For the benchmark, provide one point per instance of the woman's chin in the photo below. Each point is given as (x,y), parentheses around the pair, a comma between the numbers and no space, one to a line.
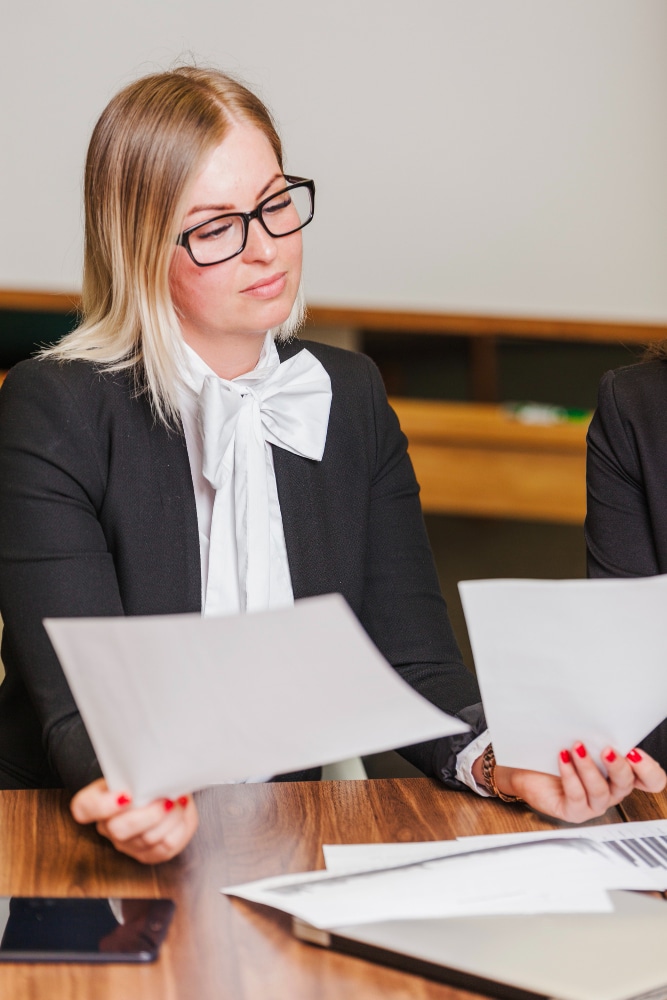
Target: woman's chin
(278,314)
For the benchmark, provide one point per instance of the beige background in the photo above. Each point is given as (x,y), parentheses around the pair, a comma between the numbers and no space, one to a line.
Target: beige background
(501,157)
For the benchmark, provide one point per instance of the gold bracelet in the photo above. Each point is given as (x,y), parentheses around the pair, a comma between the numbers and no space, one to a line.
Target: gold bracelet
(489,776)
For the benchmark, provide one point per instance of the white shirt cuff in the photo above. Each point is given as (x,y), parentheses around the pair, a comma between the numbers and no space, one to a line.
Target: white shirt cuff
(466,759)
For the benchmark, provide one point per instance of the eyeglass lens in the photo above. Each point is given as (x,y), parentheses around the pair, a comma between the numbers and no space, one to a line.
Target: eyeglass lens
(222,238)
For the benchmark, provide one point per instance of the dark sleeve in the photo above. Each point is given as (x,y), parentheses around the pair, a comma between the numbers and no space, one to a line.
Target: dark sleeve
(404,611)
(619,537)
(54,560)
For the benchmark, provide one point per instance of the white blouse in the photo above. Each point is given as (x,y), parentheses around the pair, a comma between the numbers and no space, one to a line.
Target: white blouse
(219,569)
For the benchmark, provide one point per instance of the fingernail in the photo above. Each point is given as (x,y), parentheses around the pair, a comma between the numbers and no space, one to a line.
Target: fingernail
(183,801)
(168,805)
(123,800)
(580,750)
(634,756)
(611,756)
(565,756)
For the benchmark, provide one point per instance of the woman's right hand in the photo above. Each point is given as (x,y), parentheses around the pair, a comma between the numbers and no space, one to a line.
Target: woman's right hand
(582,793)
(150,834)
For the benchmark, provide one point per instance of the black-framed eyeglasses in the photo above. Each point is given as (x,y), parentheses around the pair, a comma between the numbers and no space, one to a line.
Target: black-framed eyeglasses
(225,236)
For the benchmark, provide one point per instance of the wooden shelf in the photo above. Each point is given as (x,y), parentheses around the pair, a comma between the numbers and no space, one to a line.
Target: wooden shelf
(396,320)
(476,459)
(482,326)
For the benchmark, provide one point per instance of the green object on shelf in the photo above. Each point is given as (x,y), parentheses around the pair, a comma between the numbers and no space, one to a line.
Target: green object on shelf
(543,413)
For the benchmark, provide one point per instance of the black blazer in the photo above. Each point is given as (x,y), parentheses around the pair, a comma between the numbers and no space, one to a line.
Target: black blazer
(626,520)
(98,517)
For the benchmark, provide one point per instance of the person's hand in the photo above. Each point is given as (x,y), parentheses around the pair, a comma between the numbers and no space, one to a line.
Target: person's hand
(152,833)
(582,792)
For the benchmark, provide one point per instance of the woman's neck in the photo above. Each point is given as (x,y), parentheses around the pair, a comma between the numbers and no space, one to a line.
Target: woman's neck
(230,356)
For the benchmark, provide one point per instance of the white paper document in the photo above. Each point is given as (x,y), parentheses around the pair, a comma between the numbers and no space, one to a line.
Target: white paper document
(346,859)
(551,877)
(556,871)
(177,702)
(635,854)
(567,660)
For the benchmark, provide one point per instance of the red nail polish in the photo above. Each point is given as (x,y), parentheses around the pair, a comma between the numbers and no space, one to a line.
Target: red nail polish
(611,756)
(580,750)
(183,801)
(565,756)
(634,756)
(123,800)
(168,805)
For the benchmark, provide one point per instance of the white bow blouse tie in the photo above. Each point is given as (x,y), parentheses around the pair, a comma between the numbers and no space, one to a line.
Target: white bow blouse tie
(285,405)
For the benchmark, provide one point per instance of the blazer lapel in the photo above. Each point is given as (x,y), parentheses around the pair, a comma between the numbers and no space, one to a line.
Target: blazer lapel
(178,516)
(298,480)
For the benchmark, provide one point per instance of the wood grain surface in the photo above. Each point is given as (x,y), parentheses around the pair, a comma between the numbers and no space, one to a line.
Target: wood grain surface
(218,947)
(642,806)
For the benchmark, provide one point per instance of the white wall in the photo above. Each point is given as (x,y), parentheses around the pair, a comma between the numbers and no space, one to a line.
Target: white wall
(500,156)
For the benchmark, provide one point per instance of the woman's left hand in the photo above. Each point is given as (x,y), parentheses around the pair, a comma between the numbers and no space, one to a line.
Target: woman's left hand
(152,833)
(582,792)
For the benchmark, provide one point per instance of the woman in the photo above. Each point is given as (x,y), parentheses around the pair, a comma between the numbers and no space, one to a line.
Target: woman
(626,522)
(168,457)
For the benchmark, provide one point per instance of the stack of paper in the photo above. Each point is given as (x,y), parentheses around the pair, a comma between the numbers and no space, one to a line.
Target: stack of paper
(552,872)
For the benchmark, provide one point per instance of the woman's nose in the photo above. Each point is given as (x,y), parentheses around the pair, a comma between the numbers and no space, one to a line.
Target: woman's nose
(260,245)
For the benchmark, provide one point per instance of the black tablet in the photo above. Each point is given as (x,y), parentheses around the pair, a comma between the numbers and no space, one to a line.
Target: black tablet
(66,929)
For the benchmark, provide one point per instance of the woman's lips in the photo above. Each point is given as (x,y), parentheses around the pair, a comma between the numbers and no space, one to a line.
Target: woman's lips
(267,288)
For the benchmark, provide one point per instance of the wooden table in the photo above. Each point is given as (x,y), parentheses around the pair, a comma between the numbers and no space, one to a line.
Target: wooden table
(228,949)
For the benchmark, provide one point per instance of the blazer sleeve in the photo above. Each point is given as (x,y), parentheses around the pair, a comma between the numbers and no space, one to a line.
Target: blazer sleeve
(54,560)
(403,610)
(619,535)
(620,528)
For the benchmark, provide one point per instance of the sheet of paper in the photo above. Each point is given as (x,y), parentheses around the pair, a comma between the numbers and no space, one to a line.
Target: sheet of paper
(174,703)
(634,854)
(600,832)
(637,851)
(343,859)
(567,660)
(553,877)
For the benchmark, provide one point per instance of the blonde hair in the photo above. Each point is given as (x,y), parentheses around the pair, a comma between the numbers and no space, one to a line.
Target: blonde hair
(145,149)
